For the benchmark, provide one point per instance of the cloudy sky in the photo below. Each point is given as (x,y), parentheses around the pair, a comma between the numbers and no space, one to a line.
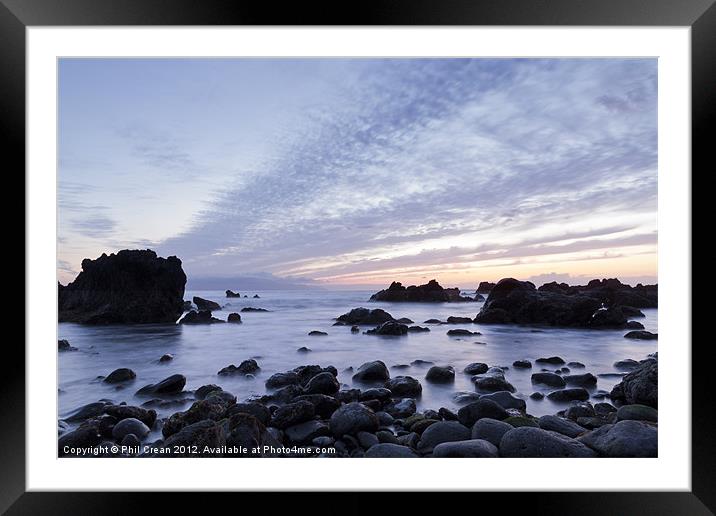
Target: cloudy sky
(362,171)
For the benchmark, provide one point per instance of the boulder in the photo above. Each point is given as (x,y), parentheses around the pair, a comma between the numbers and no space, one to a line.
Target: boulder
(391,328)
(639,386)
(476,368)
(473,412)
(461,332)
(292,414)
(431,292)
(437,374)
(324,405)
(258,410)
(173,384)
(317,333)
(459,320)
(522,364)
(390,450)
(587,380)
(322,383)
(365,316)
(206,304)
(213,409)
(506,400)
(353,418)
(442,432)
(560,425)
(129,426)
(484,287)
(490,430)
(303,433)
(489,383)
(231,293)
(641,335)
(130,287)
(637,412)
(375,371)
(550,360)
(64,345)
(528,441)
(404,386)
(206,433)
(122,412)
(624,439)
(578,393)
(120,375)
(279,380)
(551,379)
(418,329)
(401,408)
(200,317)
(472,448)
(234,318)
(249,366)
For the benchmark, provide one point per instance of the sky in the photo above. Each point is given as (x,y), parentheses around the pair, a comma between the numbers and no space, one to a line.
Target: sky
(357,172)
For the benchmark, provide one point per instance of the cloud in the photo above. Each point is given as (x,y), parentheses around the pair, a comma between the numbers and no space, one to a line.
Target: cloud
(437,149)
(95,225)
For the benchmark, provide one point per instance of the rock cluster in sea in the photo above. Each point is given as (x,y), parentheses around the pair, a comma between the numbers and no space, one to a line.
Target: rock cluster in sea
(132,286)
(599,305)
(431,292)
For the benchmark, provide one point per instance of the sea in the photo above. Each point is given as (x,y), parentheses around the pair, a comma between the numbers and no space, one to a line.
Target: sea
(272,338)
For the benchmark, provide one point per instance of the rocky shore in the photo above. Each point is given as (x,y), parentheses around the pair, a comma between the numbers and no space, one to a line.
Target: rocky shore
(308,413)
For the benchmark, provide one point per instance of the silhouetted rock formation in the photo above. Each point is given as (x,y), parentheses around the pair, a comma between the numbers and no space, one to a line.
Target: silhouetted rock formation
(484,287)
(231,293)
(519,302)
(206,304)
(431,292)
(611,292)
(132,286)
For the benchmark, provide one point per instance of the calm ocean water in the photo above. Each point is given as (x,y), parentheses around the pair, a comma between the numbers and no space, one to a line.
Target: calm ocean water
(273,338)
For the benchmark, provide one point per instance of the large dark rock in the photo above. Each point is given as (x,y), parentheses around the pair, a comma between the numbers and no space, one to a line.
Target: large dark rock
(293,414)
(527,441)
(442,432)
(249,366)
(624,439)
(125,288)
(641,335)
(431,292)
(206,304)
(231,293)
(471,448)
(390,450)
(485,287)
(210,408)
(519,302)
(365,316)
(120,375)
(639,386)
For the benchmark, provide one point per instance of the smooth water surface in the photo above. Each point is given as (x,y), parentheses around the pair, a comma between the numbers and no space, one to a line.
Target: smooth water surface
(273,338)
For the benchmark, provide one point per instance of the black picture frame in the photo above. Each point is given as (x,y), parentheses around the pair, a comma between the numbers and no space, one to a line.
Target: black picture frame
(17,15)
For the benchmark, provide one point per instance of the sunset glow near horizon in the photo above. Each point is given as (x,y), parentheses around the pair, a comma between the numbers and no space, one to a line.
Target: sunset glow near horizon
(363,171)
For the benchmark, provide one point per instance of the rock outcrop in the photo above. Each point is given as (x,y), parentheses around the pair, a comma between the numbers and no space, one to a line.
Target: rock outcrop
(130,287)
(519,302)
(431,292)
(231,293)
(639,386)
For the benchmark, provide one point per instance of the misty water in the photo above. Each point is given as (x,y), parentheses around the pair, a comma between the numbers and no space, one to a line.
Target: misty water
(273,339)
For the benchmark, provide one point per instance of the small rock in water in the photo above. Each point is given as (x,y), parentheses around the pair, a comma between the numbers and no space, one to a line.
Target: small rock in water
(355,329)
(551,379)
(234,318)
(120,375)
(637,412)
(459,320)
(476,368)
(442,432)
(303,349)
(626,364)
(317,333)
(576,364)
(404,386)
(246,367)
(421,363)
(389,328)
(641,335)
(167,357)
(522,364)
(375,371)
(433,321)
(64,345)
(537,396)
(470,414)
(581,380)
(437,374)
(550,360)
(460,332)
(578,393)
(170,385)
(252,309)
(418,329)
